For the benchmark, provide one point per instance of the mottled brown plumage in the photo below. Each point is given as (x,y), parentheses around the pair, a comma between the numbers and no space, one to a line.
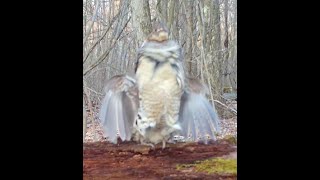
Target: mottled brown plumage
(159,102)
(159,34)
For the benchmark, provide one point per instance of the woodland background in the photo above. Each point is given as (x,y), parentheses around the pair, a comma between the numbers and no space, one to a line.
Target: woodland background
(206,29)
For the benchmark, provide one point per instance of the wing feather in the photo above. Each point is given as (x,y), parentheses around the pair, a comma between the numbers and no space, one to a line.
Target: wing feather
(198,118)
(118,108)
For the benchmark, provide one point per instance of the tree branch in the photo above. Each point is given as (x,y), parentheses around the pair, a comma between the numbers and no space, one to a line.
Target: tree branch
(104,55)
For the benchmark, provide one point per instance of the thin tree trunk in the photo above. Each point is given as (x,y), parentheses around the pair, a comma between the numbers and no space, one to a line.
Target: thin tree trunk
(188,5)
(171,13)
(84,120)
(91,22)
(226,73)
(141,19)
(216,45)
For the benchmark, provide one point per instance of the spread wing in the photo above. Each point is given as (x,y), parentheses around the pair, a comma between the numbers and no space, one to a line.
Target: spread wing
(198,118)
(119,108)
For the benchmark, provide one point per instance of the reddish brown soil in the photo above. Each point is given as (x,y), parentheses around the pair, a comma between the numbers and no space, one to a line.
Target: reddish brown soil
(102,160)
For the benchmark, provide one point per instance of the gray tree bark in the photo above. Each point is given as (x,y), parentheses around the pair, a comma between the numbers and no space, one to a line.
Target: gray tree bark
(141,19)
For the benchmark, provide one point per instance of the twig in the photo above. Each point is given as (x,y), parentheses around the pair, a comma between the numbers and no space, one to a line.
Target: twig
(104,68)
(97,3)
(93,91)
(100,38)
(231,109)
(104,55)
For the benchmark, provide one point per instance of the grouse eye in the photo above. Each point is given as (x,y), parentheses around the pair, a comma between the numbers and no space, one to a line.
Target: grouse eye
(139,116)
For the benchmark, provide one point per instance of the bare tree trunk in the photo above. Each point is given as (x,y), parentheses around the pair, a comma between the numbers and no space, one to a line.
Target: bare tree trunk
(210,24)
(188,5)
(91,22)
(226,73)
(84,121)
(141,19)
(175,30)
(171,13)
(217,28)
(164,5)
(216,53)
(226,41)
(233,77)
(162,9)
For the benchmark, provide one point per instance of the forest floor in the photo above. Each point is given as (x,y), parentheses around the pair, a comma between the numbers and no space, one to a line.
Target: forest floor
(129,160)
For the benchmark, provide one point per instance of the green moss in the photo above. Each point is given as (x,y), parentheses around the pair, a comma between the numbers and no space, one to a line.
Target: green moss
(214,165)
(231,139)
(217,165)
(184,166)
